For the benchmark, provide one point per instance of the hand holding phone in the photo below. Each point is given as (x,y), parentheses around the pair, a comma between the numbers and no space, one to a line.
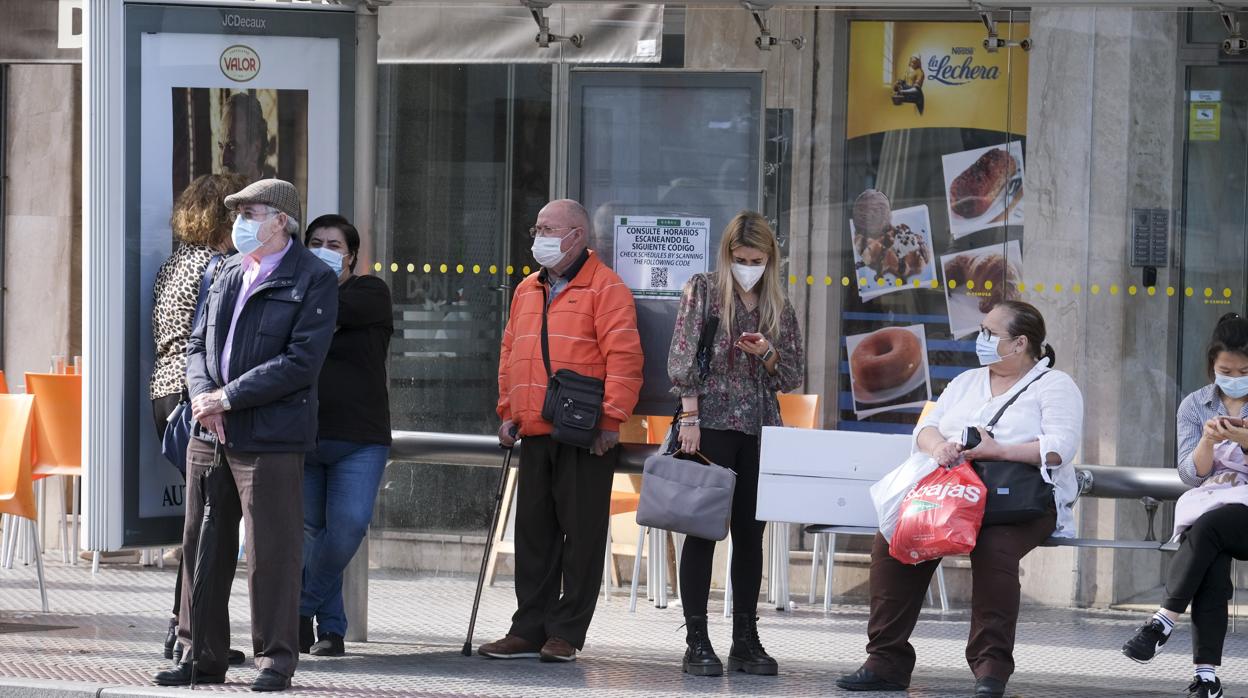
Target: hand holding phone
(1231,422)
(751,337)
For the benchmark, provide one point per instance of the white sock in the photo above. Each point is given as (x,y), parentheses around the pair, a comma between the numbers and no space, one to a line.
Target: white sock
(1205,673)
(1166,624)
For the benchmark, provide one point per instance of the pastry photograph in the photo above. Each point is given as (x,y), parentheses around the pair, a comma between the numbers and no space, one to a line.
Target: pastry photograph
(890,245)
(888,369)
(984,188)
(982,278)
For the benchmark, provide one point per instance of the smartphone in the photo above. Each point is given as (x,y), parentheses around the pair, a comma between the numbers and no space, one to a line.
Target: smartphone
(751,337)
(1231,421)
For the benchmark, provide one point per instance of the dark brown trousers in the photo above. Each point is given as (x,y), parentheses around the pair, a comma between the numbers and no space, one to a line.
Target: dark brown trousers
(266,491)
(897,592)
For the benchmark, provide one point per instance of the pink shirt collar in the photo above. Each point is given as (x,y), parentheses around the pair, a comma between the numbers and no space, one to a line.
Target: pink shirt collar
(268,262)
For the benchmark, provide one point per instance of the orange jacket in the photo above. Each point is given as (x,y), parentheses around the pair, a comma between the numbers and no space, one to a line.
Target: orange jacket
(592,329)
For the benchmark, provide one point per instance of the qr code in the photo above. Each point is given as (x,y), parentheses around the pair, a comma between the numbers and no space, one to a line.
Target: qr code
(658,277)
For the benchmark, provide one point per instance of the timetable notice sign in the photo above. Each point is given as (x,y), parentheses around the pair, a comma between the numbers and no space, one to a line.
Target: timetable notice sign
(656,256)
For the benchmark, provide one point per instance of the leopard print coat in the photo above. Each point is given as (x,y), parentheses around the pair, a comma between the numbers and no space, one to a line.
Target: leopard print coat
(175,294)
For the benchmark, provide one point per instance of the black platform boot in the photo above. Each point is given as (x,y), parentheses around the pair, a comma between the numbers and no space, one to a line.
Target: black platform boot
(747,653)
(700,659)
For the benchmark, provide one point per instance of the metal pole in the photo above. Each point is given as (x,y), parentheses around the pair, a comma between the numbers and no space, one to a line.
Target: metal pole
(4,179)
(355,577)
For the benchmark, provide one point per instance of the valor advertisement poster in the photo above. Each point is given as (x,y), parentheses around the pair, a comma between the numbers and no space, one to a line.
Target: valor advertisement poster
(655,256)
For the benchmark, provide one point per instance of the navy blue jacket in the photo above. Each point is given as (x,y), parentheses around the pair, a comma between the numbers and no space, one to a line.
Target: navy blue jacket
(280,342)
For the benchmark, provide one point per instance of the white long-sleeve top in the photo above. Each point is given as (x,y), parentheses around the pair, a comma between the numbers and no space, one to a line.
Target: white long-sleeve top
(1049,411)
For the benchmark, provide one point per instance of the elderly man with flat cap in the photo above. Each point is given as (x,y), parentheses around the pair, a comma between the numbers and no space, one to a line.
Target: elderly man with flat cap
(252,366)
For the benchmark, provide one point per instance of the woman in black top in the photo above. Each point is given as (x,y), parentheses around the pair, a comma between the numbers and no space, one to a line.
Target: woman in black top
(341,477)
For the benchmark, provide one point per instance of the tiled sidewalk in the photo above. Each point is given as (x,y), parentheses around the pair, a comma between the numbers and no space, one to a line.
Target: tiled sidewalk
(109,628)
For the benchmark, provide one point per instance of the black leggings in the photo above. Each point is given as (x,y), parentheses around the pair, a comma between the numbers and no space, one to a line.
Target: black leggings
(738,451)
(1200,575)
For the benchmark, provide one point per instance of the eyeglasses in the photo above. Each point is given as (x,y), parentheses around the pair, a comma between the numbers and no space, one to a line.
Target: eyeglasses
(546,232)
(988,336)
(253,215)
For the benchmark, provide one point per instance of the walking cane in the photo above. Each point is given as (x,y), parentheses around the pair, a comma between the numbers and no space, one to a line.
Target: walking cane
(489,544)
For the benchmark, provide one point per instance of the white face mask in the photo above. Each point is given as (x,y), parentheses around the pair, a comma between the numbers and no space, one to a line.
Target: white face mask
(328,256)
(548,251)
(246,235)
(748,276)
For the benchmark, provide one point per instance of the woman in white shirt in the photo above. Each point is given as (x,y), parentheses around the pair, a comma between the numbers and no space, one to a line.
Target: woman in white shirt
(1044,425)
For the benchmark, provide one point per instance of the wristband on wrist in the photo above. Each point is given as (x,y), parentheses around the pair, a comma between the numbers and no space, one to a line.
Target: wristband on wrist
(225,401)
(690,422)
(771,351)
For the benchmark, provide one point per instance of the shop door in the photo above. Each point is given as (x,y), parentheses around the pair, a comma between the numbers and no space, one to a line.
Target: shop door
(662,160)
(1215,207)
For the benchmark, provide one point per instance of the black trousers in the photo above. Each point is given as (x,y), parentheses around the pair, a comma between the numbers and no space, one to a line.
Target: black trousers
(162,407)
(738,451)
(563,508)
(1200,575)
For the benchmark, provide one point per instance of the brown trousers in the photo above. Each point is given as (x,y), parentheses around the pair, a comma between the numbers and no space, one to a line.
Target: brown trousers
(897,592)
(266,491)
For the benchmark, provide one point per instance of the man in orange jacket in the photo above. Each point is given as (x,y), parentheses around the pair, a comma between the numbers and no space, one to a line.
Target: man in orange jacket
(563,498)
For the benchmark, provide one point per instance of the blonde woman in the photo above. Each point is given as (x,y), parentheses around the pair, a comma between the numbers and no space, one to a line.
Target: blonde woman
(757,351)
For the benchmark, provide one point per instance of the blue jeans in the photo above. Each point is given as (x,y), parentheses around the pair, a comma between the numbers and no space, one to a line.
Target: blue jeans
(340,481)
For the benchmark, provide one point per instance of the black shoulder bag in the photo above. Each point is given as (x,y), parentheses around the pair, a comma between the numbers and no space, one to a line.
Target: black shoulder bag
(706,352)
(1017,492)
(573,403)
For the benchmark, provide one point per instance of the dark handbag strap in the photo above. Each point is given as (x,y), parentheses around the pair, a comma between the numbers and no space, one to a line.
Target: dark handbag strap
(205,283)
(988,427)
(545,341)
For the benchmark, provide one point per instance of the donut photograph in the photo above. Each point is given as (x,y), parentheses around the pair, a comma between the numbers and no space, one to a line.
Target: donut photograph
(892,249)
(981,278)
(984,188)
(888,369)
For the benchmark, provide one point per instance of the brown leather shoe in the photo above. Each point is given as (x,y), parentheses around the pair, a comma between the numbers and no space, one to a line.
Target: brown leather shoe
(510,647)
(558,650)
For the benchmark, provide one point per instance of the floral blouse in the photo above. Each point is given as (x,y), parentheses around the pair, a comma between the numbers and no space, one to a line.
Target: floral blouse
(738,393)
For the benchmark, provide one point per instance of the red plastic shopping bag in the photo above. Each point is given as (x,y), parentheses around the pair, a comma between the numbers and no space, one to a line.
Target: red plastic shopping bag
(940,516)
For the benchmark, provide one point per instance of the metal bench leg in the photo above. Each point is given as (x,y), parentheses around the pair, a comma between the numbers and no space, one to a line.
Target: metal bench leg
(814,569)
(61,529)
(830,545)
(77,519)
(660,562)
(641,542)
(782,565)
(1234,593)
(728,581)
(940,585)
(43,588)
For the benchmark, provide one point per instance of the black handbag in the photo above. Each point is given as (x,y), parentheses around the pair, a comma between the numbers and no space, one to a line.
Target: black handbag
(1017,492)
(573,403)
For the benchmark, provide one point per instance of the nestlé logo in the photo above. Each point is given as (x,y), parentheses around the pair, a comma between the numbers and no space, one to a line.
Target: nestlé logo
(240,63)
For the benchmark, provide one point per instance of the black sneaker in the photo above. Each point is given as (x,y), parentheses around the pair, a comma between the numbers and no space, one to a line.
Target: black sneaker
(1205,689)
(1147,641)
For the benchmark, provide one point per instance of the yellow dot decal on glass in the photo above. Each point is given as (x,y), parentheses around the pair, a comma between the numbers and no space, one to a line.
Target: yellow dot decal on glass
(970,284)
(1113,289)
(1022,287)
(1131,290)
(376,266)
(845,281)
(1076,289)
(511,269)
(1096,289)
(1208,293)
(442,267)
(410,267)
(394,266)
(898,282)
(1039,288)
(792,279)
(427,268)
(459,269)
(935,283)
(1057,288)
(1226,293)
(862,281)
(476,269)
(810,280)
(916,283)
(880,281)
(953,283)
(1188,291)
(493,268)
(1169,290)
(526,270)
(1152,290)
(827,281)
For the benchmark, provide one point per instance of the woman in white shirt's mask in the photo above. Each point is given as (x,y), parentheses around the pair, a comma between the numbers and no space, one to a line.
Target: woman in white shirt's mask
(1043,426)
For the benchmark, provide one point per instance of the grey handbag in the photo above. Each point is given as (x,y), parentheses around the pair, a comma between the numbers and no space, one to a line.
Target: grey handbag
(688,494)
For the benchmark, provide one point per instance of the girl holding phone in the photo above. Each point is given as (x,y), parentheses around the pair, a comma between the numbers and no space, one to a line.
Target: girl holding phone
(1200,573)
(757,351)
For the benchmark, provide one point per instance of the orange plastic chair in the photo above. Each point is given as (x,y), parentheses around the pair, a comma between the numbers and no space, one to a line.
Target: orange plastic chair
(657,428)
(798,411)
(927,409)
(17,492)
(4,387)
(57,428)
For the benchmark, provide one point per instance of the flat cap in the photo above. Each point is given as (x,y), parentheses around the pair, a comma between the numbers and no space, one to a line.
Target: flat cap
(277,193)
